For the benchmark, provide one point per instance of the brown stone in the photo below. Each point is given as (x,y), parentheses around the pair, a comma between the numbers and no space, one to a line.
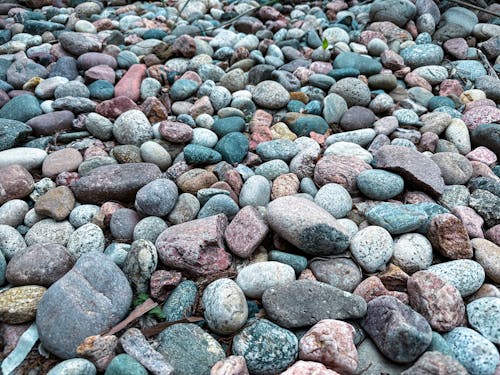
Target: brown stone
(115,107)
(18,305)
(330,342)
(372,287)
(246,232)
(163,282)
(286,184)
(438,302)
(154,110)
(65,160)
(196,246)
(394,278)
(100,350)
(487,254)
(448,235)
(195,179)
(342,170)
(15,182)
(57,203)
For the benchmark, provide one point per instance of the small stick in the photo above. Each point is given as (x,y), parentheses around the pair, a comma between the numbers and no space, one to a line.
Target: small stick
(487,65)
(136,313)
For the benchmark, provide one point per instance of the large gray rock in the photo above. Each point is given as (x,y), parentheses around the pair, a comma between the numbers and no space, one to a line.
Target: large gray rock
(307,226)
(305,302)
(91,298)
(115,182)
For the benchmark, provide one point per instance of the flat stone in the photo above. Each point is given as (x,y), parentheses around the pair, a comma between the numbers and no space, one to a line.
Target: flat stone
(50,123)
(13,133)
(114,182)
(433,362)
(396,218)
(27,157)
(97,296)
(417,170)
(57,203)
(19,304)
(304,302)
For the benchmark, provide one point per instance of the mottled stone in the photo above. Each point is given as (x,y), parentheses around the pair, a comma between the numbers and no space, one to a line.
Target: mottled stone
(15,182)
(19,304)
(464,274)
(57,203)
(139,265)
(449,236)
(434,362)
(487,254)
(256,278)
(339,272)
(372,247)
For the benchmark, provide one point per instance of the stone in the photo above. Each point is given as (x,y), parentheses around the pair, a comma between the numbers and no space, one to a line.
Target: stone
(157,198)
(396,218)
(380,184)
(473,351)
(21,108)
(422,55)
(180,302)
(334,107)
(400,333)
(256,191)
(13,133)
(57,203)
(225,306)
(372,247)
(364,64)
(412,252)
(417,170)
(481,314)
(12,212)
(15,182)
(123,222)
(185,209)
(176,132)
(372,287)
(439,302)
(139,265)
(340,272)
(79,43)
(256,278)
(38,265)
(233,147)
(266,347)
(296,304)
(307,226)
(19,304)
(130,84)
(369,357)
(114,182)
(48,231)
(449,236)
(125,364)
(342,170)
(132,128)
(270,94)
(196,246)
(233,364)
(464,274)
(487,135)
(455,168)
(487,254)
(65,160)
(338,352)
(26,157)
(434,362)
(396,11)
(189,349)
(74,366)
(307,367)
(246,232)
(97,296)
(353,91)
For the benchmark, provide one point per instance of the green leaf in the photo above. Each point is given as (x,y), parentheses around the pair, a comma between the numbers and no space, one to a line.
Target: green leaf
(156,312)
(325,44)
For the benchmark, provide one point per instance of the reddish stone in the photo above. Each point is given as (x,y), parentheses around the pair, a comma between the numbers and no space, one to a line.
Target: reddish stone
(428,142)
(258,135)
(233,178)
(479,103)
(307,274)
(94,151)
(456,47)
(414,80)
(438,302)
(260,118)
(57,203)
(91,59)
(100,350)
(286,184)
(115,107)
(103,24)
(225,186)
(246,232)
(105,213)
(342,170)
(448,235)
(483,155)
(154,110)
(158,72)
(176,132)
(102,72)
(308,368)
(130,84)
(252,160)
(303,75)
(481,115)
(67,178)
(202,105)
(482,170)
(471,220)
(15,182)
(65,160)
(450,87)
(163,282)
(192,76)
(394,278)
(436,363)
(390,31)
(196,247)
(267,13)
(372,287)
(330,342)
(321,67)
(195,179)
(232,365)
(392,60)
(493,234)
(184,46)
(367,36)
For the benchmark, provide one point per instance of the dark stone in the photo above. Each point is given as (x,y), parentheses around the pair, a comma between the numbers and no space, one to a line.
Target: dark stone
(51,123)
(12,133)
(487,135)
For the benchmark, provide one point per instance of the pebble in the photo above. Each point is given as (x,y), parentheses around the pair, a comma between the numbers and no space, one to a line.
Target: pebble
(74,366)
(379,184)
(372,247)
(225,306)
(487,254)
(19,304)
(123,363)
(139,265)
(464,274)
(258,340)
(342,273)
(12,212)
(256,278)
(26,157)
(396,218)
(412,252)
(157,198)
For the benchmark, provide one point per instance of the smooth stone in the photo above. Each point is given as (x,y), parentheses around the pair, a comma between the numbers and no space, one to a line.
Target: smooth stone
(132,128)
(123,364)
(97,296)
(12,212)
(354,91)
(149,229)
(432,361)
(13,133)
(342,273)
(296,304)
(379,184)
(369,357)
(455,168)
(487,135)
(189,349)
(350,150)
(50,123)
(270,94)
(114,182)
(335,199)
(256,191)
(157,198)
(88,238)
(78,366)
(201,155)
(478,355)
(396,218)
(139,265)
(372,247)
(272,169)
(48,231)
(412,252)
(307,226)
(256,278)
(266,347)
(305,124)
(464,274)
(219,204)
(487,254)
(366,65)
(334,107)
(422,55)
(21,108)
(27,157)
(282,149)
(225,306)
(233,147)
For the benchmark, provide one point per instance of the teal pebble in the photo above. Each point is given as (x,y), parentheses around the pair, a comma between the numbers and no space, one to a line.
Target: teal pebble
(380,185)
(338,74)
(101,90)
(429,209)
(228,125)
(272,169)
(183,89)
(154,34)
(314,107)
(201,155)
(179,303)
(451,111)
(123,364)
(21,108)
(440,101)
(283,149)
(366,65)
(307,124)
(439,344)
(295,106)
(395,218)
(297,262)
(219,204)
(233,147)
